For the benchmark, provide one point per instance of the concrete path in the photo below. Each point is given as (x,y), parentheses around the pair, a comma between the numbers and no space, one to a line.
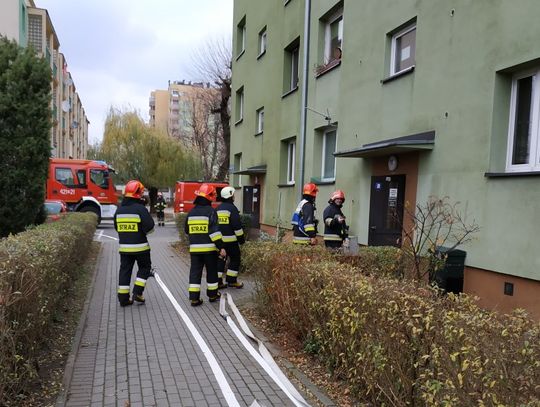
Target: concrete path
(144,355)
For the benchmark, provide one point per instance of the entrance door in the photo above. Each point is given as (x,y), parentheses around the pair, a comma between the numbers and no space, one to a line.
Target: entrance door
(252,204)
(386,210)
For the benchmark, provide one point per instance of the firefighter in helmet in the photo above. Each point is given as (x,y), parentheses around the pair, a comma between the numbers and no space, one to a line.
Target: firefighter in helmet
(233,237)
(133,222)
(205,242)
(336,231)
(160,208)
(303,220)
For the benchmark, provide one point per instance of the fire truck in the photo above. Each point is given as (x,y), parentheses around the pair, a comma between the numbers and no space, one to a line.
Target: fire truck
(85,186)
(184,194)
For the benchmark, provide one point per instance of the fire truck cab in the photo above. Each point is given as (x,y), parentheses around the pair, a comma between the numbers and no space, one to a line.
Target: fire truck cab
(85,186)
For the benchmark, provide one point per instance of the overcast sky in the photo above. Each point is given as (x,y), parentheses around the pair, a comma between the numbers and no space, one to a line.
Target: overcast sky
(118,51)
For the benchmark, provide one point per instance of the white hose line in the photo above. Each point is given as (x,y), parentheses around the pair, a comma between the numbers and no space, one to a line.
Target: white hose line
(263,357)
(216,369)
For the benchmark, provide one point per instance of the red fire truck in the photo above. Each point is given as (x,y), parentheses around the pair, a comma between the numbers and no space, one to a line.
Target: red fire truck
(85,186)
(184,194)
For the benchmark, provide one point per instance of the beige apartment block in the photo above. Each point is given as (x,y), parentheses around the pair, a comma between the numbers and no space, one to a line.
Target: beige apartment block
(29,25)
(172,110)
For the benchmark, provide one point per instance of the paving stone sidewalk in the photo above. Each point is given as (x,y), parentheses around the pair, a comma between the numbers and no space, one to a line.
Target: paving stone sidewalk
(144,355)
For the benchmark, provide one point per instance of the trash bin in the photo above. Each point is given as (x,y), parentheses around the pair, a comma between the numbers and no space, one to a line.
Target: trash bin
(450,276)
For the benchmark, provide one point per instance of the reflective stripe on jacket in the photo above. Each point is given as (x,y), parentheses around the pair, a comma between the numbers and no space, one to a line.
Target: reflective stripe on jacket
(229,223)
(304,222)
(333,230)
(133,222)
(202,228)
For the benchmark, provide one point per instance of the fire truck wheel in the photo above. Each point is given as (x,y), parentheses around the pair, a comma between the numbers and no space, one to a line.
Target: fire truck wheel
(93,210)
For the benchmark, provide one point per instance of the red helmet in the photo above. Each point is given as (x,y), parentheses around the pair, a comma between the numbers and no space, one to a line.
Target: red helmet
(310,189)
(207,191)
(339,194)
(134,189)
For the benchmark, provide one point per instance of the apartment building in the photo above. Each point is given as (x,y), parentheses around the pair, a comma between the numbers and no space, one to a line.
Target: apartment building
(27,24)
(394,102)
(172,110)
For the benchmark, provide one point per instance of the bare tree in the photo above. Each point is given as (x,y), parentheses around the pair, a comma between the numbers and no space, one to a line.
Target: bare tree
(213,63)
(205,134)
(438,222)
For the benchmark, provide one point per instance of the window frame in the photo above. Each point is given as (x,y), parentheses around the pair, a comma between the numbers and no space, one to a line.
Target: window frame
(291,162)
(239,116)
(242,33)
(260,120)
(238,157)
(293,83)
(263,42)
(393,48)
(327,54)
(534,127)
(323,158)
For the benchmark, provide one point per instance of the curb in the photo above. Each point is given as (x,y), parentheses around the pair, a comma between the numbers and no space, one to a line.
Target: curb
(70,363)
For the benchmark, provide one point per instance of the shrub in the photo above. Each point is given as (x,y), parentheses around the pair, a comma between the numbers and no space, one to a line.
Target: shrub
(25,121)
(245,220)
(36,269)
(393,341)
(180,220)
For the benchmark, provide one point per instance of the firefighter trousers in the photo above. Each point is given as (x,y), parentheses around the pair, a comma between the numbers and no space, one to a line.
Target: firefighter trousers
(127,261)
(198,262)
(233,255)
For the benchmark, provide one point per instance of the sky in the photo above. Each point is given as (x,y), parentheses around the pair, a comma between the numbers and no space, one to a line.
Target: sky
(118,51)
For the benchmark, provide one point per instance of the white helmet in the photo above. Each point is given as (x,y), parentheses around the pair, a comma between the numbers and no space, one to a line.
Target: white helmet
(227,192)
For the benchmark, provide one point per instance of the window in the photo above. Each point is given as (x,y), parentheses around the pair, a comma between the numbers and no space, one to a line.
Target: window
(333,37)
(292,58)
(100,178)
(35,32)
(262,42)
(291,161)
(328,159)
(523,130)
(239,111)
(241,37)
(237,178)
(403,49)
(81,178)
(64,176)
(260,120)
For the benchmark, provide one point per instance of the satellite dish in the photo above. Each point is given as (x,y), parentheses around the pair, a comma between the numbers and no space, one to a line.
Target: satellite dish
(65,106)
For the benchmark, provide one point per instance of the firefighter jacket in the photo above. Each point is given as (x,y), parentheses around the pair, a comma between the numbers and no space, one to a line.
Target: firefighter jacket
(333,230)
(229,223)
(133,222)
(304,222)
(202,228)
(160,205)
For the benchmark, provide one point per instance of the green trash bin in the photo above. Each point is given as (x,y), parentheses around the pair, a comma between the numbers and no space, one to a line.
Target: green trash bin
(450,277)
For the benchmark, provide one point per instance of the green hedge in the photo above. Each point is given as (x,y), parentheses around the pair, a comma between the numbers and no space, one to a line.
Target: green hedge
(396,342)
(36,269)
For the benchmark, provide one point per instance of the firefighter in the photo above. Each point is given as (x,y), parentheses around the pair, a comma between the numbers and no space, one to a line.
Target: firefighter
(133,222)
(336,231)
(205,242)
(303,220)
(160,208)
(233,237)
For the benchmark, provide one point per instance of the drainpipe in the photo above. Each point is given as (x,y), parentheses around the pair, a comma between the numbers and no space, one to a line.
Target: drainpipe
(303,111)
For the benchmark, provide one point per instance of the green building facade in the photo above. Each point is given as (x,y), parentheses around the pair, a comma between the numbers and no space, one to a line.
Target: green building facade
(403,100)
